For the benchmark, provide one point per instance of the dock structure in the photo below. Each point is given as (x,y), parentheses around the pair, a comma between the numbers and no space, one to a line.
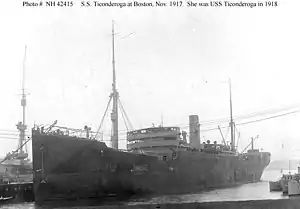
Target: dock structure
(17,192)
(16,176)
(250,204)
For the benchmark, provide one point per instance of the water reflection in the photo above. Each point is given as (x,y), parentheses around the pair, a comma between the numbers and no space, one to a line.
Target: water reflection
(255,191)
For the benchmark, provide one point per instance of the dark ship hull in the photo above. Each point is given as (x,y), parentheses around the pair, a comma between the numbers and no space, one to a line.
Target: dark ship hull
(78,168)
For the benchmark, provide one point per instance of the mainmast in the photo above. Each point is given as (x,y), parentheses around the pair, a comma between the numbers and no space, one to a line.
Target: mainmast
(115,97)
(231,122)
(21,125)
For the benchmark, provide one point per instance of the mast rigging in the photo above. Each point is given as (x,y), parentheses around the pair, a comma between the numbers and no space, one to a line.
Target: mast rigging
(231,121)
(115,97)
(21,125)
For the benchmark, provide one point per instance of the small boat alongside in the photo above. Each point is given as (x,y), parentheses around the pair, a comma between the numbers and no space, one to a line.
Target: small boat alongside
(16,192)
(284,182)
(289,184)
(293,187)
(5,199)
(294,184)
(275,186)
(281,184)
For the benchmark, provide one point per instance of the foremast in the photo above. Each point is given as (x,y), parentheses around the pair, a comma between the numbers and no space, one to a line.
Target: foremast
(232,124)
(115,98)
(21,126)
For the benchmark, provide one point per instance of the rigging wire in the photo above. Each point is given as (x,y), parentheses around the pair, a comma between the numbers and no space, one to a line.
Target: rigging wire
(127,118)
(9,134)
(254,121)
(249,144)
(17,149)
(275,116)
(263,112)
(246,116)
(98,130)
(2,131)
(9,138)
(124,119)
(239,136)
(238,124)
(6,130)
(210,122)
(249,122)
(227,132)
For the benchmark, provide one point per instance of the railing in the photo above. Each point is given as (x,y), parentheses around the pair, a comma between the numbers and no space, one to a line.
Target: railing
(154,130)
(153,143)
(161,134)
(63,131)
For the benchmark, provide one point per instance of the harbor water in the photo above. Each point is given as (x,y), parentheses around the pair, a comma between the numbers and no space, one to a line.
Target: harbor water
(253,191)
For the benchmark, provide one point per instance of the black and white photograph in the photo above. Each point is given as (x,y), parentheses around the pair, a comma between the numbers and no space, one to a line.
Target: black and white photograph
(149,104)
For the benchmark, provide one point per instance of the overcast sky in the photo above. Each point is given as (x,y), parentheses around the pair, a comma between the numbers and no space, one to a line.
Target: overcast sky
(175,64)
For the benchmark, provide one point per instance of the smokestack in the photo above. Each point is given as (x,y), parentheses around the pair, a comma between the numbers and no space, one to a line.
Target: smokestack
(194,131)
(184,136)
